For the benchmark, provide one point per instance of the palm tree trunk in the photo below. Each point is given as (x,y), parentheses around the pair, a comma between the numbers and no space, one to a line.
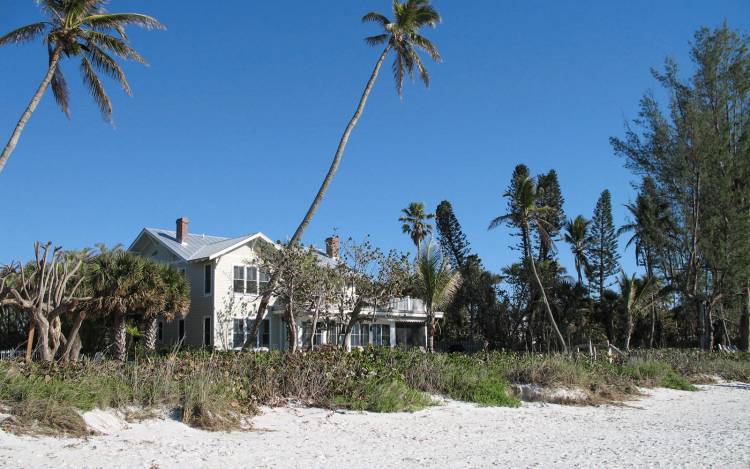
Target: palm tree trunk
(152,327)
(11,145)
(121,351)
(544,300)
(323,187)
(430,332)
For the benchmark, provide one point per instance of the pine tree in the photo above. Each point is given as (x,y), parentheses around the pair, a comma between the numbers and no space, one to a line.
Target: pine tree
(452,239)
(603,255)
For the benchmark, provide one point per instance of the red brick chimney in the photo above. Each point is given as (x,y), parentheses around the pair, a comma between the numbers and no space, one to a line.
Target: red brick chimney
(182,229)
(332,246)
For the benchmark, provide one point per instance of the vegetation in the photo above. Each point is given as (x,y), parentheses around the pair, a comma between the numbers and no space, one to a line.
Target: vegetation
(84,29)
(215,390)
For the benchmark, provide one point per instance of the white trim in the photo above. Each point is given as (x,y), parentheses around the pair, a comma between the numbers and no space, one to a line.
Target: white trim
(238,244)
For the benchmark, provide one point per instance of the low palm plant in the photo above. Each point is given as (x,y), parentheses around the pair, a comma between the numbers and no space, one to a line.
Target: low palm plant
(83,29)
(437,284)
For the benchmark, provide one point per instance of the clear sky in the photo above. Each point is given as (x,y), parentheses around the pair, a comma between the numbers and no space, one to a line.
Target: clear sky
(235,121)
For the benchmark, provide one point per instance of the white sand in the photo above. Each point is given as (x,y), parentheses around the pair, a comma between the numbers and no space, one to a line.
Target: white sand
(667,429)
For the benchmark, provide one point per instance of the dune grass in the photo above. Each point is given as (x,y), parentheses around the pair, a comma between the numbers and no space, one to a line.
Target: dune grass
(215,390)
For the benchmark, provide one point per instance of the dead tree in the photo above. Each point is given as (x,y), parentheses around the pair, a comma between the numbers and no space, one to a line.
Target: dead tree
(46,289)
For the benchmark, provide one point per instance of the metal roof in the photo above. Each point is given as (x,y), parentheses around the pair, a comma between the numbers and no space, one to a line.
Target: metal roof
(198,246)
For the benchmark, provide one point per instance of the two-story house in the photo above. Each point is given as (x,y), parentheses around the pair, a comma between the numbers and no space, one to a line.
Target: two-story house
(225,280)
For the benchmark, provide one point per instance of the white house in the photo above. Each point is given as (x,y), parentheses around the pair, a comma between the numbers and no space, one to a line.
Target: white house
(225,281)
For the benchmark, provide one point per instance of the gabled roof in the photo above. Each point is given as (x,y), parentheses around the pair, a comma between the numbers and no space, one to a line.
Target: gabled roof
(196,246)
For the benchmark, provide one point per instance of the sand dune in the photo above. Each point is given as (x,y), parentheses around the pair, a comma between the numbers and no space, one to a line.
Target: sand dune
(666,429)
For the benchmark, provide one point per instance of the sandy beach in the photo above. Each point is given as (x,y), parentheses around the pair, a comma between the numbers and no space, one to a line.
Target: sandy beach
(664,429)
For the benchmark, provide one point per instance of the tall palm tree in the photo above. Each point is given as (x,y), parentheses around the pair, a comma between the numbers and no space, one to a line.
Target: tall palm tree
(525,213)
(437,284)
(402,36)
(577,235)
(414,223)
(78,28)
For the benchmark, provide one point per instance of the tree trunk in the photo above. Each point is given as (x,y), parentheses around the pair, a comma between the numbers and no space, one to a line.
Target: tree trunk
(121,351)
(745,324)
(430,332)
(353,318)
(551,318)
(42,326)
(30,341)
(628,331)
(291,328)
(73,339)
(11,145)
(266,297)
(152,327)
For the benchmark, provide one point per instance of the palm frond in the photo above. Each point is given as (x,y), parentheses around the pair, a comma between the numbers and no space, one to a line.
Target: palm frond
(375,17)
(96,89)
(114,45)
(499,221)
(115,20)
(24,34)
(59,87)
(107,65)
(424,44)
(377,40)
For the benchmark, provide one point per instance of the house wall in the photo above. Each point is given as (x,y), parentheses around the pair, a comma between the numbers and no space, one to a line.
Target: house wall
(229,305)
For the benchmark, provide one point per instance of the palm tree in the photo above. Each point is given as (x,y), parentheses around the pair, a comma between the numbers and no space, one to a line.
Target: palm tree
(577,235)
(525,212)
(175,291)
(413,219)
(437,284)
(636,296)
(400,35)
(116,277)
(78,28)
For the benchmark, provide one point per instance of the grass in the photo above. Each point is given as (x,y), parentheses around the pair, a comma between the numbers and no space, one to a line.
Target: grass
(216,390)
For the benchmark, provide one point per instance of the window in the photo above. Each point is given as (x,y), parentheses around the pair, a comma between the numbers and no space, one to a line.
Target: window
(239,279)
(252,280)
(333,334)
(246,279)
(381,334)
(160,331)
(241,329)
(264,334)
(238,333)
(182,329)
(207,279)
(360,335)
(265,277)
(207,331)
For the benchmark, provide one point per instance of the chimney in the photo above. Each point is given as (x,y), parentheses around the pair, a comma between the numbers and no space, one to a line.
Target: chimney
(182,229)
(332,246)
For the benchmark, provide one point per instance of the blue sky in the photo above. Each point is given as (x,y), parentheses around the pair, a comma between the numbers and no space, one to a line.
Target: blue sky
(236,119)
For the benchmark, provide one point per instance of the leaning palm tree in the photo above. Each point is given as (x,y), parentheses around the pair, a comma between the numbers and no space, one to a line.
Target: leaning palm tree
(525,212)
(437,284)
(577,235)
(414,223)
(78,28)
(402,37)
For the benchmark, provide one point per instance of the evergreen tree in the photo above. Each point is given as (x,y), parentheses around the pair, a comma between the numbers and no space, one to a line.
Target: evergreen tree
(452,239)
(603,255)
